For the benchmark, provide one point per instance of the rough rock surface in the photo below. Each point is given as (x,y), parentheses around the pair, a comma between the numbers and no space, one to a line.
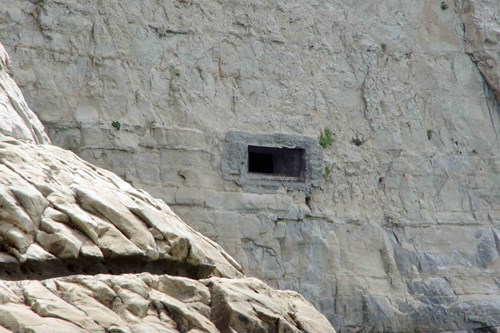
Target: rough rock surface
(16,118)
(60,213)
(138,303)
(482,36)
(403,234)
(63,221)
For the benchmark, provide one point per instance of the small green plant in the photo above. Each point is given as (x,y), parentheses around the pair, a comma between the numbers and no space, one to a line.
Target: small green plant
(326,173)
(383,46)
(429,134)
(326,138)
(175,71)
(116,124)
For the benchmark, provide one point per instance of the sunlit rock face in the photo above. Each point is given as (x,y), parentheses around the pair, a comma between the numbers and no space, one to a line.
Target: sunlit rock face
(81,250)
(397,226)
(16,119)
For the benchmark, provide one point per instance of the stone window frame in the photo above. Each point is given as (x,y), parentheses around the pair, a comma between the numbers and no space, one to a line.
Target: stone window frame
(234,164)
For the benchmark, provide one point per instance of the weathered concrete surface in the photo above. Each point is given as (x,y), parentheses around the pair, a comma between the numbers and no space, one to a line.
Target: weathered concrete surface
(403,233)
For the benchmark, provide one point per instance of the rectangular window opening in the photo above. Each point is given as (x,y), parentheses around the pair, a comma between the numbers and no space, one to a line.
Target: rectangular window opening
(276,163)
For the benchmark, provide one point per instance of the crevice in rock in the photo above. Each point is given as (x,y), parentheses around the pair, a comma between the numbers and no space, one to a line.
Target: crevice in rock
(40,270)
(220,309)
(490,92)
(491,101)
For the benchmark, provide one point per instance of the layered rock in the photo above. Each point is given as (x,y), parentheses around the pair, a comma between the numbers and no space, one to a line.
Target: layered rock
(83,251)
(61,214)
(154,303)
(402,234)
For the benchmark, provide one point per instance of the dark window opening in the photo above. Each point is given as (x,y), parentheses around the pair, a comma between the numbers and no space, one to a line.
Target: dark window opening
(284,162)
(260,162)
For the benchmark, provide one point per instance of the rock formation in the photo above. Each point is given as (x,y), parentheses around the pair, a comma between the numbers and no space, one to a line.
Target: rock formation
(83,251)
(398,230)
(16,118)
(482,36)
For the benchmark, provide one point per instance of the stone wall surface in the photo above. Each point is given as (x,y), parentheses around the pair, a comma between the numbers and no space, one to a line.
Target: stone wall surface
(81,250)
(403,234)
